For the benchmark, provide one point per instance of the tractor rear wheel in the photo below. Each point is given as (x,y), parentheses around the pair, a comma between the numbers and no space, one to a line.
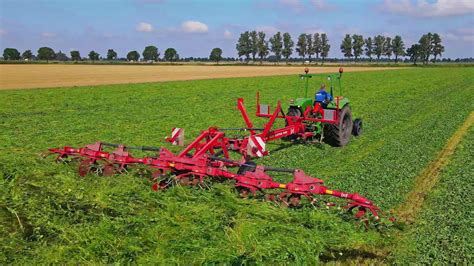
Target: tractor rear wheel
(339,134)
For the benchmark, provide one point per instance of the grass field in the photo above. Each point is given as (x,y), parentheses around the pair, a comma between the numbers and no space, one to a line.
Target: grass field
(15,76)
(49,214)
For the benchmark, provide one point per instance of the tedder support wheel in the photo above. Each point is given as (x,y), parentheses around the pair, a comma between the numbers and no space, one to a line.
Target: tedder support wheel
(338,135)
(357,127)
(249,166)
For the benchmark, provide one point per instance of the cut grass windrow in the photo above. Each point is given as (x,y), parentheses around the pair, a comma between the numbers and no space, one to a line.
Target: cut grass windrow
(428,178)
(424,183)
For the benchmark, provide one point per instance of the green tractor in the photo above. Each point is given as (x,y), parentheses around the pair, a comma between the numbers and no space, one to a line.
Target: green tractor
(331,118)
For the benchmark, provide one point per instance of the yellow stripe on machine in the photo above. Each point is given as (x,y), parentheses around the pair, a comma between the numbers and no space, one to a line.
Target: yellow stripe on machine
(329,192)
(282,186)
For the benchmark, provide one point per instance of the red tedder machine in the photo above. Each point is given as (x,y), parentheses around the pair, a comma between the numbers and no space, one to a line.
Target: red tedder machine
(208,156)
(195,163)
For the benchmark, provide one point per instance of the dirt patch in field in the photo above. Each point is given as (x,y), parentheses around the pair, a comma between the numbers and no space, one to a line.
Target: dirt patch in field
(48,76)
(428,178)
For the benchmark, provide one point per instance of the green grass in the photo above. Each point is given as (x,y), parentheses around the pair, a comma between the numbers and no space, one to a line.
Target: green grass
(408,116)
(444,231)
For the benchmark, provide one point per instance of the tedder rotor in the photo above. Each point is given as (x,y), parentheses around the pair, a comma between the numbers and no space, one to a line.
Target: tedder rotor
(195,164)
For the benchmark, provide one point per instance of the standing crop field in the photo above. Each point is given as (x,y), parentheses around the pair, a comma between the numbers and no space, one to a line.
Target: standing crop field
(49,214)
(48,76)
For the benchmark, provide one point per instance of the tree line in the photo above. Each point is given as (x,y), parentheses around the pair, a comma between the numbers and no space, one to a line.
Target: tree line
(150,53)
(253,44)
(356,46)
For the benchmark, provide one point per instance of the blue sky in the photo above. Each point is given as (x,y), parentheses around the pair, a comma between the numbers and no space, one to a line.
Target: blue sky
(195,27)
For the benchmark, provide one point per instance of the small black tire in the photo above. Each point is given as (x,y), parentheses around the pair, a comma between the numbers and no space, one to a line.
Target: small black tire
(249,166)
(338,135)
(357,127)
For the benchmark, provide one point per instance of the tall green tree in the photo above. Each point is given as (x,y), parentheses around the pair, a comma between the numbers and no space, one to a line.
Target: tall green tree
(379,43)
(415,53)
(276,47)
(325,47)
(262,45)
(346,46)
(309,46)
(398,47)
(438,48)
(111,54)
(244,46)
(27,55)
(46,53)
(133,56)
(317,46)
(357,46)
(369,48)
(287,46)
(75,56)
(171,55)
(93,55)
(387,48)
(151,53)
(11,54)
(301,45)
(216,55)
(426,47)
(254,44)
(60,56)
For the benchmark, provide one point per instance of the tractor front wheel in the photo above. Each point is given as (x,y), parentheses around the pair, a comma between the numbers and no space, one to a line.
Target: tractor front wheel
(292,112)
(339,134)
(357,127)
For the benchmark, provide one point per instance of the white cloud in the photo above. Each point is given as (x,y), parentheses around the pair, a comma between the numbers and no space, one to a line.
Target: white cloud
(48,34)
(192,26)
(144,27)
(322,5)
(423,8)
(3,32)
(461,34)
(270,30)
(227,34)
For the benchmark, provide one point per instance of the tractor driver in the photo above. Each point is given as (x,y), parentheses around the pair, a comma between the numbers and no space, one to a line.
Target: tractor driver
(322,96)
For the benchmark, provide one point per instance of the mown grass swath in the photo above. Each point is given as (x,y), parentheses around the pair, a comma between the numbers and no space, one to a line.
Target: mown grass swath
(443,232)
(408,115)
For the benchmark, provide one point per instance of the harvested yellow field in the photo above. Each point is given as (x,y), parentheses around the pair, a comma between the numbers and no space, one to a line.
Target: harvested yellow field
(47,76)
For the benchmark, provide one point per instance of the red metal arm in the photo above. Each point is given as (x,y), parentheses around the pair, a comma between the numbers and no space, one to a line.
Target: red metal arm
(241,106)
